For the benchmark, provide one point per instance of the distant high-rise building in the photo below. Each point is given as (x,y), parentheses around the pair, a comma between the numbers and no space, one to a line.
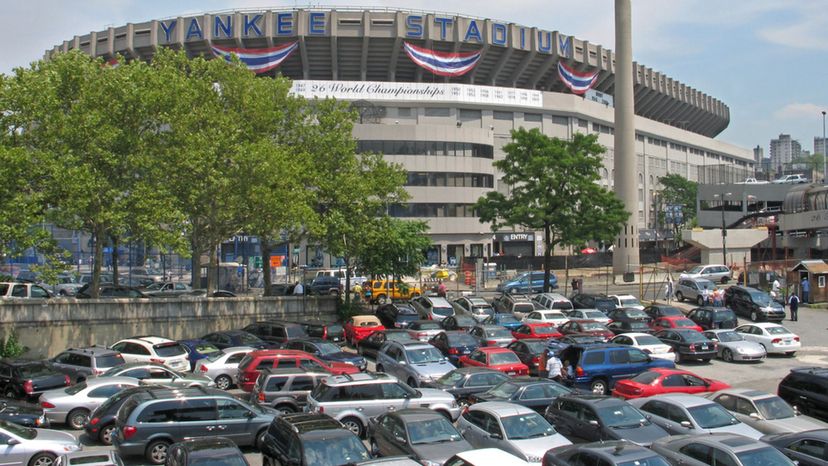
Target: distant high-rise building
(758,155)
(819,145)
(783,151)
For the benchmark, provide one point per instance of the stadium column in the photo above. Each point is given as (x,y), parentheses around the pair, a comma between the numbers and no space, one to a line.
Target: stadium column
(625,254)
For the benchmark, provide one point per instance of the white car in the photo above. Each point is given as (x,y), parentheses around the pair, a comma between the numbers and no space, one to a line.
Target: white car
(154,349)
(588,314)
(222,366)
(716,273)
(791,179)
(556,318)
(774,337)
(485,457)
(646,343)
(553,301)
(627,300)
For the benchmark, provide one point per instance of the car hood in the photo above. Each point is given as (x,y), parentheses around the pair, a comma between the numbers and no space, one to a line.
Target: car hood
(344,357)
(433,369)
(643,435)
(441,452)
(55,436)
(749,346)
(538,446)
(430,395)
(741,429)
(791,424)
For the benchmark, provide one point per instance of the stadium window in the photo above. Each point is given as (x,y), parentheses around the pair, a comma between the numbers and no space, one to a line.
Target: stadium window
(596,127)
(534,117)
(583,123)
(639,137)
(404,111)
(504,116)
(559,120)
(437,112)
(469,115)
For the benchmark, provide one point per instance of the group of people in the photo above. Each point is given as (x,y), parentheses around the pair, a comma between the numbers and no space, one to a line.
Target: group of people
(555,369)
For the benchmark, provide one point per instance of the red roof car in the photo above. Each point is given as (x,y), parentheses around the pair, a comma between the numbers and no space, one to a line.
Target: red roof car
(497,358)
(359,327)
(590,327)
(536,331)
(255,361)
(671,322)
(658,381)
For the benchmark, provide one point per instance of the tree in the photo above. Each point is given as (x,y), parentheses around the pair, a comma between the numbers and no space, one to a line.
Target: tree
(553,188)
(394,247)
(678,190)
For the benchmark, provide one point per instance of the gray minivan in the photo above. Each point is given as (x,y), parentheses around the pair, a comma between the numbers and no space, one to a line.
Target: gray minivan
(416,363)
(693,289)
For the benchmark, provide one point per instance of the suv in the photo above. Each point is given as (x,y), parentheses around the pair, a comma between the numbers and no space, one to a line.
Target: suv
(715,273)
(324,285)
(693,289)
(253,363)
(791,179)
(806,390)
(101,423)
(330,331)
(553,301)
(285,390)
(519,305)
(754,303)
(397,315)
(709,318)
(80,363)
(154,349)
(149,422)
(527,282)
(601,302)
(416,363)
(383,291)
(22,290)
(598,367)
(474,306)
(310,440)
(276,331)
(432,307)
(354,399)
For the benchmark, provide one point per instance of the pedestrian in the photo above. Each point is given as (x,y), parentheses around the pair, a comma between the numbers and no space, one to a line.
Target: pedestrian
(554,367)
(575,285)
(668,289)
(298,289)
(357,292)
(705,295)
(441,289)
(775,288)
(717,297)
(793,301)
(806,290)
(366,286)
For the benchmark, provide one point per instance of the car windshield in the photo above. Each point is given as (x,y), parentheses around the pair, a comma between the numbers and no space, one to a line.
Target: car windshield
(711,416)
(503,358)
(553,316)
(435,430)
(696,269)
(487,309)
(526,426)
(592,326)
(777,330)
(249,339)
(451,379)
(424,355)
(774,408)
(636,314)
(229,459)
(723,315)
(759,297)
(524,308)
(727,337)
(166,350)
(443,311)
(627,302)
(762,457)
(504,390)
(334,451)
(680,323)
(646,378)
(461,339)
(20,431)
(594,315)
(206,348)
(328,348)
(584,339)
(622,417)
(75,389)
(37,369)
(535,347)
(670,311)
(646,340)
(651,461)
(544,330)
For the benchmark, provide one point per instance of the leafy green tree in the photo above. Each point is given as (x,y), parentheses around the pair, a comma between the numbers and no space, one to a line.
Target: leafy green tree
(553,188)
(394,247)
(678,190)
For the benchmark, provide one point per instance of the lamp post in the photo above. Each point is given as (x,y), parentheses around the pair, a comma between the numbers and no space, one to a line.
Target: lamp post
(824,156)
(724,227)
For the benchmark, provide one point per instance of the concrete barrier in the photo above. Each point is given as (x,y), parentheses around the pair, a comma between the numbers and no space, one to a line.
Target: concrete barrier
(47,327)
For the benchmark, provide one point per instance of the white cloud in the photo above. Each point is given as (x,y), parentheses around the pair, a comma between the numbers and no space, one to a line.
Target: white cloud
(799,110)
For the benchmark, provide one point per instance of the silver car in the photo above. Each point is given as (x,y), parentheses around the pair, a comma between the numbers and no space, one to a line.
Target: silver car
(733,347)
(152,373)
(223,366)
(34,447)
(680,414)
(513,428)
(719,449)
(765,412)
(72,405)
(715,273)
(416,363)
(693,289)
(474,306)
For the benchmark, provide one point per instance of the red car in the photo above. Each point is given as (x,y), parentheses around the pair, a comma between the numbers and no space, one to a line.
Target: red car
(536,331)
(497,358)
(658,381)
(359,327)
(255,361)
(673,322)
(589,327)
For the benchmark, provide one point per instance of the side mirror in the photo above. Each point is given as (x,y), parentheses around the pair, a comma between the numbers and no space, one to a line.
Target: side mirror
(649,417)
(402,363)
(400,439)
(496,435)
(686,424)
(12,441)
(594,423)
(755,416)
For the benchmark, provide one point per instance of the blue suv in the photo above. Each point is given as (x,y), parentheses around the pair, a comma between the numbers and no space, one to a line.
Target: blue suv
(527,282)
(598,367)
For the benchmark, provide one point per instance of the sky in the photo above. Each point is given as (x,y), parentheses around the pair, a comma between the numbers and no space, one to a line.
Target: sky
(765,59)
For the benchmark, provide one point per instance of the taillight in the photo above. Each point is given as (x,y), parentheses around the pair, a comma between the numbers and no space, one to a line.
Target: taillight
(491,342)
(453,351)
(46,404)
(28,387)
(536,360)
(324,333)
(261,397)
(776,341)
(579,371)
(321,410)
(67,380)
(129,431)
(202,368)
(796,338)
(94,421)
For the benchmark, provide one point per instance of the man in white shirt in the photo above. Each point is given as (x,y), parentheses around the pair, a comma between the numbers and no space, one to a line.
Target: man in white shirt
(553,366)
(298,289)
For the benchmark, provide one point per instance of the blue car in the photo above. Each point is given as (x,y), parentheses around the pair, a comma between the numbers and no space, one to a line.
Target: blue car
(231,338)
(560,344)
(326,351)
(198,349)
(527,282)
(504,320)
(598,367)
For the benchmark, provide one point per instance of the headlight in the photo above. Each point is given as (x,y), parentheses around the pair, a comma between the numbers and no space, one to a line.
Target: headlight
(424,378)
(533,459)
(740,350)
(454,404)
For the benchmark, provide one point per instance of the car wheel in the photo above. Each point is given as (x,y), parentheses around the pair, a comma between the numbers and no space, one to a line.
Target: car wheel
(700,300)
(380,369)
(727,355)
(679,296)
(285,409)
(42,459)
(754,316)
(10,393)
(382,299)
(354,425)
(412,382)
(677,358)
(223,382)
(106,434)
(598,386)
(77,418)
(157,451)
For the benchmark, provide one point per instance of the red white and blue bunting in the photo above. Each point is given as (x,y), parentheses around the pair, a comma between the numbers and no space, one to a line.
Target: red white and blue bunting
(442,63)
(577,82)
(258,60)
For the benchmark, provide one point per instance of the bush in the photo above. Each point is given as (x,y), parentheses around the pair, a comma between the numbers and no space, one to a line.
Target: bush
(355,308)
(12,348)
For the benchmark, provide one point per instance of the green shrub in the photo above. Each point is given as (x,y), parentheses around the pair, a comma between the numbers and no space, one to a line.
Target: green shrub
(12,348)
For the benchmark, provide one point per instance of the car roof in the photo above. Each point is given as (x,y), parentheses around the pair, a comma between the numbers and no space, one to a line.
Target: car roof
(93,350)
(550,311)
(474,370)
(359,378)
(416,414)
(96,381)
(745,392)
(635,334)
(764,324)
(365,319)
(199,444)
(268,371)
(618,450)
(412,344)
(499,408)
(438,301)
(151,339)
(595,400)
(494,349)
(131,365)
(308,422)
(688,401)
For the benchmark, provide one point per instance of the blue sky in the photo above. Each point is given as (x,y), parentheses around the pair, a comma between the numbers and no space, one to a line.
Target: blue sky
(765,59)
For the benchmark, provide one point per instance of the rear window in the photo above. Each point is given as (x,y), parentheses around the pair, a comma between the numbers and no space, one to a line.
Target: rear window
(463,339)
(524,308)
(546,330)
(443,311)
(245,361)
(91,459)
(335,329)
(166,350)
(295,331)
(35,370)
(562,305)
(431,325)
(723,315)
(126,409)
(109,360)
(498,333)
(503,358)
(646,378)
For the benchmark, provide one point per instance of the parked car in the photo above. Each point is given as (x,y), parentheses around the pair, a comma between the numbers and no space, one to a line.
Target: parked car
(101,423)
(715,273)
(647,343)
(598,367)
(592,418)
(419,433)
(629,314)
(500,359)
(423,330)
(222,367)
(90,458)
(72,405)
(324,286)
(251,365)
(80,363)
(660,310)
(732,346)
(199,451)
(627,301)
(303,439)
(108,290)
(153,349)
(23,290)
(396,315)
(502,319)
(464,382)
(492,335)
(474,306)
(516,304)
(198,349)
(556,318)
(66,285)
(530,352)
(532,392)
(328,331)
(709,318)
(681,414)
(454,343)
(589,314)
(285,390)
(791,179)
(590,327)
(658,381)
(416,363)
(22,413)
(154,373)
(693,289)
(803,448)
(553,301)
(236,338)
(601,302)
(168,289)
(35,447)
(673,323)
(384,291)
(326,351)
(765,412)
(369,345)
(458,322)
(688,344)
(353,399)
(724,449)
(276,332)
(773,337)
(485,457)
(515,429)
(618,327)
(359,327)
(527,282)
(604,453)
(432,307)
(806,390)
(26,379)
(545,331)
(753,303)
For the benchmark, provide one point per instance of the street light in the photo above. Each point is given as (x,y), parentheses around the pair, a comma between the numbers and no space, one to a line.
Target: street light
(724,228)
(824,156)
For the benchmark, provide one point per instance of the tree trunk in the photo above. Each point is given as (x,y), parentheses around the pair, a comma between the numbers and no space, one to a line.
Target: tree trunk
(268,279)
(347,282)
(195,265)
(212,269)
(114,241)
(547,257)
(566,274)
(98,235)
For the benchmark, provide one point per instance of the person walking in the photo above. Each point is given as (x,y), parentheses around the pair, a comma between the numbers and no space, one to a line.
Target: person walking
(793,301)
(554,367)
(705,295)
(806,290)
(298,289)
(668,289)
(357,289)
(441,289)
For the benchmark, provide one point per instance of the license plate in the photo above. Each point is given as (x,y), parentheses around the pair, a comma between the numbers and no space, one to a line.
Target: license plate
(787,342)
(510,373)
(466,351)
(336,339)
(704,347)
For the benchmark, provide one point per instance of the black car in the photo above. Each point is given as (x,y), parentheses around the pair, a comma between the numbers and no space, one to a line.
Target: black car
(556,346)
(331,331)
(454,344)
(628,326)
(533,392)
(326,351)
(529,351)
(231,338)
(276,331)
(593,301)
(201,451)
(688,344)
(397,315)
(661,310)
(755,304)
(420,433)
(324,285)
(806,390)
(302,439)
(593,418)
(22,414)
(628,314)
(611,453)
(101,423)
(370,345)
(709,318)
(467,381)
(458,322)
(804,448)
(26,379)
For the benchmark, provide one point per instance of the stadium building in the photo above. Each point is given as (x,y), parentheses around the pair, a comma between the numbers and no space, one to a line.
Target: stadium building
(439,93)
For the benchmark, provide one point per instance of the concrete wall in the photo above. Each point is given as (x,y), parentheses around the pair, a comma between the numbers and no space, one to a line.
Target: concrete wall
(48,327)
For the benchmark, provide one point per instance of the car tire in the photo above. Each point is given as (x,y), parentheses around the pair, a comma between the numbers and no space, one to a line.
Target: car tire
(754,316)
(677,358)
(599,387)
(679,296)
(105,436)
(354,425)
(727,355)
(42,459)
(157,451)
(77,418)
(380,369)
(700,300)
(285,409)
(224,382)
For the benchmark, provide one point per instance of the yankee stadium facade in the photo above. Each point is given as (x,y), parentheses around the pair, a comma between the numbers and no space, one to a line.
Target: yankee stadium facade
(439,93)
